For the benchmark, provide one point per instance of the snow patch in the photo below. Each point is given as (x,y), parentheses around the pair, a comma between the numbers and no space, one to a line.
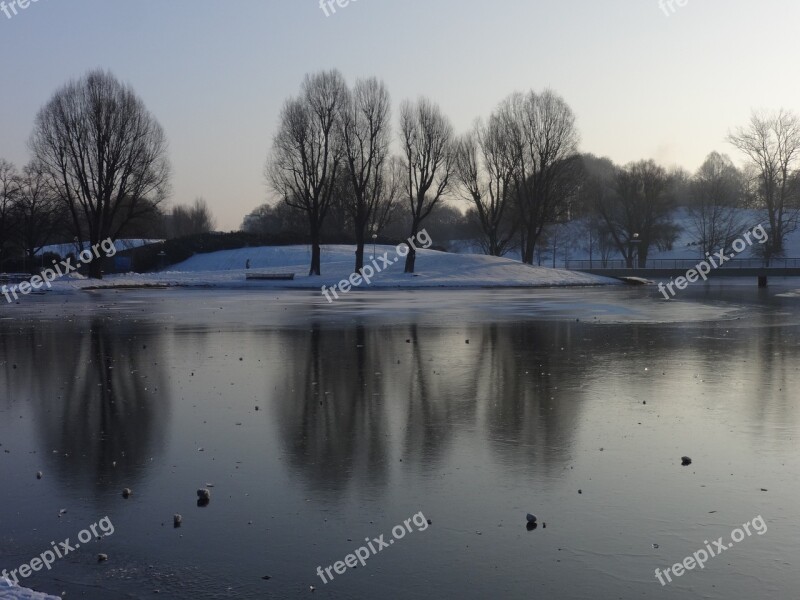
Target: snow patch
(8,591)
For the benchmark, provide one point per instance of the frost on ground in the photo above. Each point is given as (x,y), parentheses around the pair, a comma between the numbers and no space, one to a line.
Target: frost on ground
(9,591)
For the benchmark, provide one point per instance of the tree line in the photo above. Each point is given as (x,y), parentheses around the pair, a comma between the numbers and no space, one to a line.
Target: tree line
(343,168)
(519,172)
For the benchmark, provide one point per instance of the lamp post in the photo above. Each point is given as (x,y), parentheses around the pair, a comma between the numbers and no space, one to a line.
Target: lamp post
(635,246)
(374,238)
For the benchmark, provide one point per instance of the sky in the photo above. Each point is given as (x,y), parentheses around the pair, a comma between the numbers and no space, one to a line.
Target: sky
(644,81)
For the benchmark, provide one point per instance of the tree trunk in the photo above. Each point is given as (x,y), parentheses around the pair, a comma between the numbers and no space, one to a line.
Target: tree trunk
(529,250)
(96,268)
(360,238)
(316,253)
(411,259)
(494,245)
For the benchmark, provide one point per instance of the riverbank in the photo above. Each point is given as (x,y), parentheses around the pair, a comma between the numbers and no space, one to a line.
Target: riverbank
(434,269)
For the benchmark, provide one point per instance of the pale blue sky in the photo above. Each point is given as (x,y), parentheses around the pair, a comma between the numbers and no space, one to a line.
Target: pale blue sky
(215,72)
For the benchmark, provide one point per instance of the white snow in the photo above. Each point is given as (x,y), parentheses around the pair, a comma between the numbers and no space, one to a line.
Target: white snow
(683,248)
(8,591)
(120,245)
(433,269)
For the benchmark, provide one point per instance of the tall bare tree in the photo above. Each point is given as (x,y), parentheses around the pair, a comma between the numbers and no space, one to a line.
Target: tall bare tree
(543,140)
(715,195)
(307,152)
(390,184)
(426,135)
(771,142)
(191,220)
(637,210)
(366,133)
(9,195)
(37,215)
(485,169)
(105,154)
(596,183)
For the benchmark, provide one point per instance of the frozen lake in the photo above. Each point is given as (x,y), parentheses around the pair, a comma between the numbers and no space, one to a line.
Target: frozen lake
(315,426)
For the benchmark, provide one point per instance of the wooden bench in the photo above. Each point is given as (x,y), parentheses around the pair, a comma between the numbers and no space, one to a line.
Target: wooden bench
(270,276)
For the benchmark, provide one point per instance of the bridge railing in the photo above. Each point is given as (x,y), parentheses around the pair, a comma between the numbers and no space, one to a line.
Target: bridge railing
(683,264)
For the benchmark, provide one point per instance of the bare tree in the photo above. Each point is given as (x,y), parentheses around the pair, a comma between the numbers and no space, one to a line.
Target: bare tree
(597,238)
(596,183)
(543,142)
(716,194)
(37,214)
(426,136)
(485,169)
(637,210)
(191,220)
(366,132)
(9,194)
(279,220)
(105,154)
(307,152)
(390,184)
(771,143)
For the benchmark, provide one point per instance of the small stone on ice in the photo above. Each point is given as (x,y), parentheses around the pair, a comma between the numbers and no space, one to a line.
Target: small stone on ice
(531,518)
(686,461)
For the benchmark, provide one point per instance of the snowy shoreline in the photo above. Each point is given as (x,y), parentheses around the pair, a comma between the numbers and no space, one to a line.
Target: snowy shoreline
(435,270)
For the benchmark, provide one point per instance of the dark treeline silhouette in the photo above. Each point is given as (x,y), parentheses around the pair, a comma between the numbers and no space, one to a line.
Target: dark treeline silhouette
(519,175)
(516,183)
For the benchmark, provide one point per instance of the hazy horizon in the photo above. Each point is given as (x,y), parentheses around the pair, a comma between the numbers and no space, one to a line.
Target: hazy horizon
(642,84)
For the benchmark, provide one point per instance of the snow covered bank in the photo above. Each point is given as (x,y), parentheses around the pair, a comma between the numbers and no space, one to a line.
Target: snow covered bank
(9,591)
(120,245)
(434,270)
